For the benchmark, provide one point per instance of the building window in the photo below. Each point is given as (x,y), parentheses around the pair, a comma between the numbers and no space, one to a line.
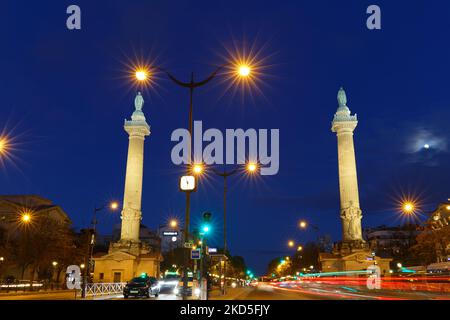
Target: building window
(117,276)
(101,276)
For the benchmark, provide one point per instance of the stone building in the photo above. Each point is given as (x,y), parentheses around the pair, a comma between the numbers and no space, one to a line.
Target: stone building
(440,220)
(393,242)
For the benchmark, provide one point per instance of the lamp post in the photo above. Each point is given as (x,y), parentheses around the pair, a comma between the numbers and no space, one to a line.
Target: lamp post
(242,70)
(142,75)
(250,168)
(91,244)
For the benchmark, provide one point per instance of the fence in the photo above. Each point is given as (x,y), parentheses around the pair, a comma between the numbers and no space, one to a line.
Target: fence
(102,289)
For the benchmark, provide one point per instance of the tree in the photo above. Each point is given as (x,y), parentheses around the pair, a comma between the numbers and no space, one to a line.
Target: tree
(309,256)
(431,243)
(40,243)
(237,267)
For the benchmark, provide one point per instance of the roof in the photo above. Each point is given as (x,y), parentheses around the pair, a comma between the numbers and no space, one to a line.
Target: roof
(35,203)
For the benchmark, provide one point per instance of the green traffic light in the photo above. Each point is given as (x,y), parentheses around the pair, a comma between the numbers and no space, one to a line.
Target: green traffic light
(206,228)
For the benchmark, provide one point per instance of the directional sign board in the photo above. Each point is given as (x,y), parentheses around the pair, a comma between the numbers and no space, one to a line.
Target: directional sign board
(170,233)
(212,250)
(195,254)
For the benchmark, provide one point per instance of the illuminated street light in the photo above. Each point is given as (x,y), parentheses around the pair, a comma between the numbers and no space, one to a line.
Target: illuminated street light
(2,259)
(54,263)
(399,265)
(114,205)
(252,167)
(448,207)
(408,207)
(82,266)
(25,217)
(303,224)
(299,248)
(3,145)
(142,75)
(198,169)
(244,70)
(173,223)
(291,243)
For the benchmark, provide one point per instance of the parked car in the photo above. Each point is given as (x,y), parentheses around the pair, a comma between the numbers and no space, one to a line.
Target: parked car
(143,286)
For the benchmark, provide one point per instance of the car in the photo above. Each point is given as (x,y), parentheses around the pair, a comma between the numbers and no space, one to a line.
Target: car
(178,290)
(143,286)
(169,282)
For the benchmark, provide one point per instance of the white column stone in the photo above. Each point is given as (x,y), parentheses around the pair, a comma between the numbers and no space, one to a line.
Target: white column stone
(137,130)
(343,125)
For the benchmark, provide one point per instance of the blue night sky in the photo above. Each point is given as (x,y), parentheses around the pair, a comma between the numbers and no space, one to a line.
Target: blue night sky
(65,95)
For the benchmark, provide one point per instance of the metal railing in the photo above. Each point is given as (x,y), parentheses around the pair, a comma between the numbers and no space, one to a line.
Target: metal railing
(103,289)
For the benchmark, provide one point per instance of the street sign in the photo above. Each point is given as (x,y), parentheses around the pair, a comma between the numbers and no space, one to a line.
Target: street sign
(188,244)
(212,250)
(170,233)
(195,254)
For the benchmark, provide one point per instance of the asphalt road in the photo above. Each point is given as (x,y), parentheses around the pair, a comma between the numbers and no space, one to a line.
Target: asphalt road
(278,291)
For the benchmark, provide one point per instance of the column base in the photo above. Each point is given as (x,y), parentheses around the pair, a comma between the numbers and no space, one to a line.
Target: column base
(350,246)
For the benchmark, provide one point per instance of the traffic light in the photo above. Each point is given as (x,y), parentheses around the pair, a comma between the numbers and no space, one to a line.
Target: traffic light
(206,225)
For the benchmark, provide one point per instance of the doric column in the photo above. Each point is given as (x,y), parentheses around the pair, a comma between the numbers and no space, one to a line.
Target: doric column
(343,125)
(137,130)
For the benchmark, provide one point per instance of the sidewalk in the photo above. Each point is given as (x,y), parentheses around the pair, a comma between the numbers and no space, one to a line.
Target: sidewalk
(36,292)
(231,293)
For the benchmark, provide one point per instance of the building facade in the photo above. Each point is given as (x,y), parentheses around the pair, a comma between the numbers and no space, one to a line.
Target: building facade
(439,221)
(393,242)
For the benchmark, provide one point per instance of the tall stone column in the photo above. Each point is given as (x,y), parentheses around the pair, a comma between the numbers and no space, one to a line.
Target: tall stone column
(343,125)
(137,130)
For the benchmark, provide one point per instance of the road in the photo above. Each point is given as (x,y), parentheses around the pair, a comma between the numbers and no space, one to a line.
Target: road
(315,290)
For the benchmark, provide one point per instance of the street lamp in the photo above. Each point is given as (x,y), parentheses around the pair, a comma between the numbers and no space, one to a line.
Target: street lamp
(242,69)
(303,225)
(250,168)
(114,205)
(26,218)
(197,169)
(173,223)
(408,207)
(142,75)
(291,243)
(299,248)
(91,242)
(3,145)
